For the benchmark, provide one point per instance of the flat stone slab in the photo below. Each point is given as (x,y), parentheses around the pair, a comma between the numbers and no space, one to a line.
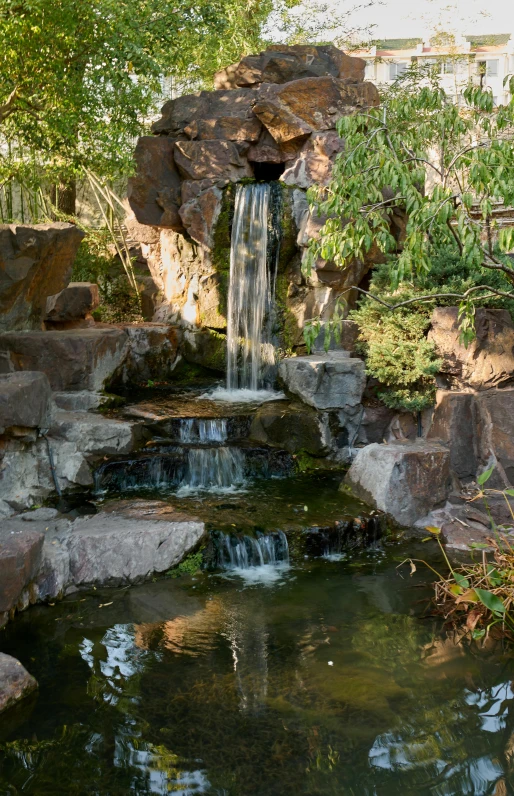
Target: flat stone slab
(15,682)
(77,359)
(126,543)
(325,381)
(403,479)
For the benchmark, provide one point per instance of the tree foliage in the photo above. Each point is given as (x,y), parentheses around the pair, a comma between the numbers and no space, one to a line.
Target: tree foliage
(449,167)
(79,77)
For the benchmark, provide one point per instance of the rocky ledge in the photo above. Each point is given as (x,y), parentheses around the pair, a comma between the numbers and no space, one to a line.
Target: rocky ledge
(15,682)
(46,555)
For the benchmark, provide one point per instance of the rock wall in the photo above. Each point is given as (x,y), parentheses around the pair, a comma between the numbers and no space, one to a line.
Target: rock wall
(271,117)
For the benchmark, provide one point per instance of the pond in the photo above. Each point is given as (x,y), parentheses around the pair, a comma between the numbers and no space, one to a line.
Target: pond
(324,680)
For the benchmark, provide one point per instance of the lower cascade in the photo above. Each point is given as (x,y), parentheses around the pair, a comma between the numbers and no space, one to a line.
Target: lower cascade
(211,466)
(245,552)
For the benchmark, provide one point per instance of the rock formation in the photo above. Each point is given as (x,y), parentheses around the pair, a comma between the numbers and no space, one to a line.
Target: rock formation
(270,117)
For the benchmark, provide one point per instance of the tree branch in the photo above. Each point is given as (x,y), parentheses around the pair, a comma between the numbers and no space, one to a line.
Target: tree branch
(461,296)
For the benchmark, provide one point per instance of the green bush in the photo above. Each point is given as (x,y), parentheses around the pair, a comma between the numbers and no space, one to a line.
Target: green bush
(395,343)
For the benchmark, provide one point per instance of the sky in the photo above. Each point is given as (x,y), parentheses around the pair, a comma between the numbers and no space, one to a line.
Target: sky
(401,18)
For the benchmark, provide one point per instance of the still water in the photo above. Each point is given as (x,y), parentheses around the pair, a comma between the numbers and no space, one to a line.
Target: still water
(325,680)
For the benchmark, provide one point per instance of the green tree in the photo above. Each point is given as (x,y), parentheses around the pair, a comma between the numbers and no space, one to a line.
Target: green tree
(449,167)
(78,78)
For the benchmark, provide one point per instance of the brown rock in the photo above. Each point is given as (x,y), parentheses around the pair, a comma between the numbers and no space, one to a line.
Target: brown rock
(199,215)
(282,64)
(79,359)
(310,105)
(152,353)
(20,559)
(227,128)
(487,362)
(35,262)
(375,422)
(178,113)
(199,160)
(293,427)
(453,424)
(154,192)
(266,150)
(315,162)
(76,301)
(15,682)
(495,435)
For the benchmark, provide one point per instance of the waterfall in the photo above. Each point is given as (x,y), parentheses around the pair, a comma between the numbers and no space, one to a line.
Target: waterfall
(251,291)
(210,465)
(246,552)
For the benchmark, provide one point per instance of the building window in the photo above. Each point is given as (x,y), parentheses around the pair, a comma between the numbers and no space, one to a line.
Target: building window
(448,68)
(488,68)
(397,70)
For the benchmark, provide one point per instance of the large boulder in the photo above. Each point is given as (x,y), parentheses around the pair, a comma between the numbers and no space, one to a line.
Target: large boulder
(178,113)
(226,128)
(35,262)
(314,167)
(310,105)
(78,359)
(153,353)
(487,362)
(495,435)
(15,682)
(25,401)
(154,191)
(201,211)
(75,302)
(403,479)
(279,64)
(292,427)
(453,423)
(213,160)
(325,381)
(20,559)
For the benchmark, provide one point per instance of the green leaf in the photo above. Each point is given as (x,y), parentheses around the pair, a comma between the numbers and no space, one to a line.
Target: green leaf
(478,634)
(461,580)
(432,529)
(509,492)
(484,477)
(491,601)
(479,546)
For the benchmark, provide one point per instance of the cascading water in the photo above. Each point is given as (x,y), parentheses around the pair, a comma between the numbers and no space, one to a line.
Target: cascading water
(251,299)
(210,466)
(247,552)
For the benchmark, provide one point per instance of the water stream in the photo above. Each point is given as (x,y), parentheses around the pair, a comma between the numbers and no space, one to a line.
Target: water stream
(211,464)
(251,298)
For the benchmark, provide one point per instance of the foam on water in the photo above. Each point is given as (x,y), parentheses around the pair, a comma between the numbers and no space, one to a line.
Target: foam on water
(243,396)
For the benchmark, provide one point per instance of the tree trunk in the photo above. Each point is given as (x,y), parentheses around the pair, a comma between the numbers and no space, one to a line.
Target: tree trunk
(63,196)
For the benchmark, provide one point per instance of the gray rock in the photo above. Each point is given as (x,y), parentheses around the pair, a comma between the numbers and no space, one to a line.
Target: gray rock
(80,401)
(25,401)
(15,682)
(206,348)
(76,301)
(20,558)
(152,353)
(325,381)
(405,480)
(78,359)
(35,262)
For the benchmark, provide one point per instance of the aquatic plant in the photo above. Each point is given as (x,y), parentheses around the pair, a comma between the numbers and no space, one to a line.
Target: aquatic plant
(189,566)
(477,597)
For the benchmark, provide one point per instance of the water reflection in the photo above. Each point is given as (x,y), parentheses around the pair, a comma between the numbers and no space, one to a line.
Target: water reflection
(327,684)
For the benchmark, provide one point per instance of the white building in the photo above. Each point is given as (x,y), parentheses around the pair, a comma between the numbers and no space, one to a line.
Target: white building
(485,60)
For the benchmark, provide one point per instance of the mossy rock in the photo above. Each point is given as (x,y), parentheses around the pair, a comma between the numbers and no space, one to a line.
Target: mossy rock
(207,348)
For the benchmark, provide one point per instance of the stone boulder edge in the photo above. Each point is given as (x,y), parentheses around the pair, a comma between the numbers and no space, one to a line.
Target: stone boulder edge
(153,193)
(15,682)
(325,381)
(403,479)
(20,559)
(25,401)
(35,262)
(487,362)
(75,303)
